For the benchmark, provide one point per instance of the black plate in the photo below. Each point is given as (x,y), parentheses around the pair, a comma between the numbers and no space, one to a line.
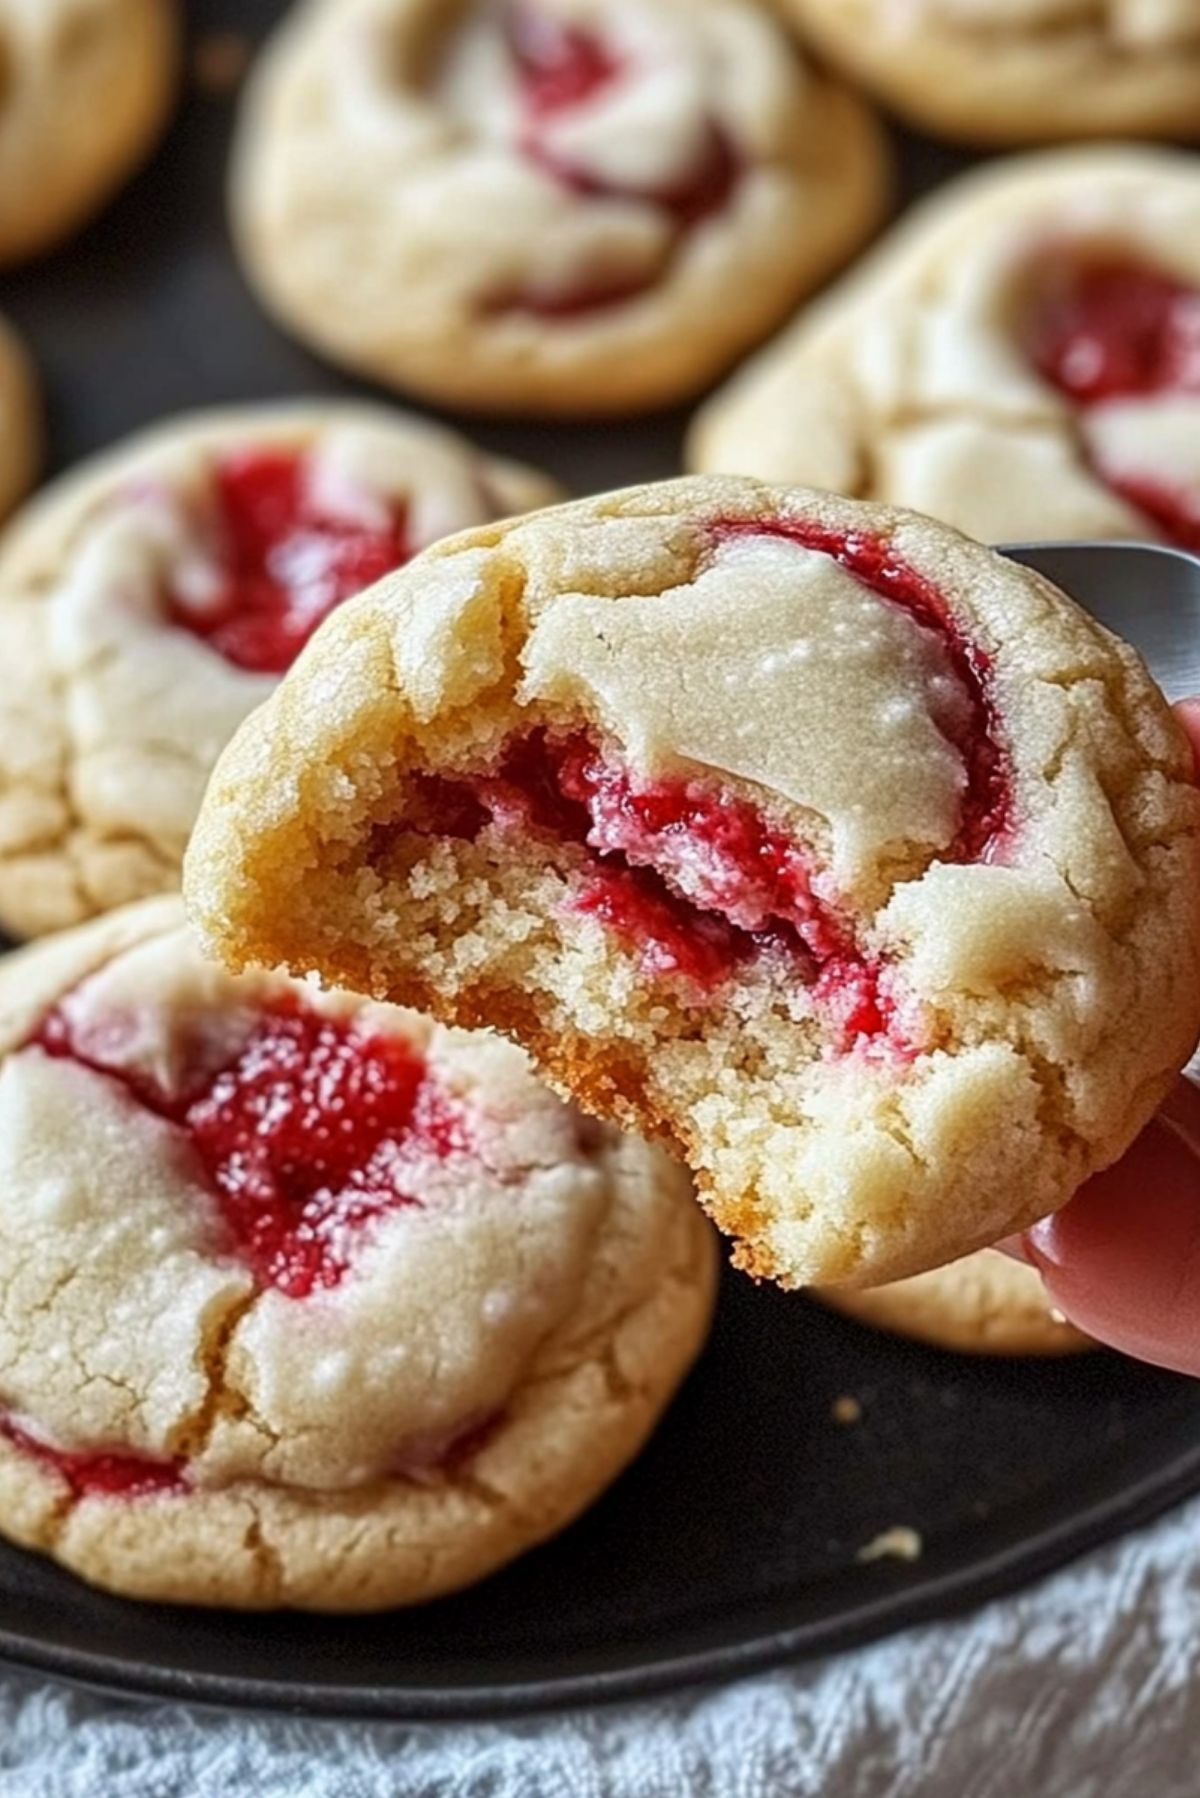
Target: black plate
(732,1543)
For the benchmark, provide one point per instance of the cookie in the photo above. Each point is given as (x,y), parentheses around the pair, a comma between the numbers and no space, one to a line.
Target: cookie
(85,86)
(549,206)
(986,1304)
(152,599)
(308,1301)
(1021,358)
(851,860)
(1018,71)
(20,420)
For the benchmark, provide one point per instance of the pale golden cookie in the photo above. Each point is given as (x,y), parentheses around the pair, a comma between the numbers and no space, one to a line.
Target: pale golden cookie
(986,1304)
(545,206)
(85,87)
(1021,358)
(849,858)
(150,600)
(20,420)
(1018,71)
(307,1301)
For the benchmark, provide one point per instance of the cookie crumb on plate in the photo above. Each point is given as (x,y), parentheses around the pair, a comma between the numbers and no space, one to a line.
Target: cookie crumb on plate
(900,1543)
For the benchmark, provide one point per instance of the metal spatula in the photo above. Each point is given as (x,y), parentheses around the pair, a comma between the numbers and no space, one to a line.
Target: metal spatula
(1148,595)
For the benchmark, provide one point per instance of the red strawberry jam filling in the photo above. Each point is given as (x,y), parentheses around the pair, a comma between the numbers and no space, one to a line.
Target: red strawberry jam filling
(286,561)
(697,881)
(562,66)
(312,1132)
(559,65)
(95,1475)
(701,881)
(1113,330)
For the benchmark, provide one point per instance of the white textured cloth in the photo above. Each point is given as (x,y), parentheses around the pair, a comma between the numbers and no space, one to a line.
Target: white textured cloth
(1086,1686)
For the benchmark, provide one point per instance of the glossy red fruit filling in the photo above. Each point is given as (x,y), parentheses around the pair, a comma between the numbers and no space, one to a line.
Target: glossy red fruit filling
(1111,330)
(310,1133)
(702,882)
(563,303)
(286,561)
(1115,330)
(698,881)
(1174,509)
(93,1475)
(562,66)
(559,65)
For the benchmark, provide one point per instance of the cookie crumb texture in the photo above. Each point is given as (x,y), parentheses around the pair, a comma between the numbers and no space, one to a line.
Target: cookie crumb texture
(853,862)
(1020,357)
(986,1304)
(86,86)
(305,1300)
(556,206)
(151,599)
(1019,71)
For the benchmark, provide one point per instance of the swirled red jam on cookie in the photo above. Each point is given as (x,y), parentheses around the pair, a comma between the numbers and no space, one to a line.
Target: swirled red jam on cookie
(1021,358)
(551,206)
(307,1300)
(151,599)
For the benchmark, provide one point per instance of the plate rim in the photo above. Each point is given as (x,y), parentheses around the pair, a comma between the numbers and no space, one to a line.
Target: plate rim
(936,1597)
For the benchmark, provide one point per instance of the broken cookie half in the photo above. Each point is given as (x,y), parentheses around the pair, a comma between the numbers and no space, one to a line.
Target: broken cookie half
(851,861)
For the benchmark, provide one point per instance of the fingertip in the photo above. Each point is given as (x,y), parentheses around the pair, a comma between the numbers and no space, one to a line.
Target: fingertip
(1188,713)
(1122,1260)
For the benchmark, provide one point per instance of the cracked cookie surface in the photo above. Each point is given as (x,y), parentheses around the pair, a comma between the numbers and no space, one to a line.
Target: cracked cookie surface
(853,861)
(85,87)
(306,1300)
(1021,357)
(1018,71)
(554,206)
(151,599)
(985,1304)
(20,420)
